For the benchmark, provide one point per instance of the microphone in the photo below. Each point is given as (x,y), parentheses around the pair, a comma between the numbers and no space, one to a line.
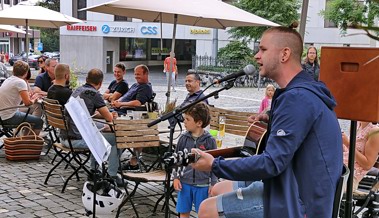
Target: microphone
(248,70)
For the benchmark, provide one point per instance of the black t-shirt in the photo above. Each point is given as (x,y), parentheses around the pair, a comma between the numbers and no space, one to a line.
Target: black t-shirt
(121,87)
(60,93)
(93,100)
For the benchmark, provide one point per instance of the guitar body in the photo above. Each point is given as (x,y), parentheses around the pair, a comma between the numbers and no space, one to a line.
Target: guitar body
(253,144)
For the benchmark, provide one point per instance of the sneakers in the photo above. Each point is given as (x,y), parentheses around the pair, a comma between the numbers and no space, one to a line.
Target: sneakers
(129,167)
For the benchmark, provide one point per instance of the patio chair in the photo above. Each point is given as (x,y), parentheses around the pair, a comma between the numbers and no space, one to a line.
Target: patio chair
(74,158)
(7,130)
(136,134)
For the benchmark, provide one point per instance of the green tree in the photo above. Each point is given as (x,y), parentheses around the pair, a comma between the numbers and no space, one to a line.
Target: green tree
(237,50)
(50,36)
(282,12)
(353,14)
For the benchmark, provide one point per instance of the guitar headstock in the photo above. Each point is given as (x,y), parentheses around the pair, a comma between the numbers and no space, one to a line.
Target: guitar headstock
(180,158)
(177,161)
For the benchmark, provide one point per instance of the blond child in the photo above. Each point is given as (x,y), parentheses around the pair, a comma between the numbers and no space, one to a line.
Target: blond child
(266,102)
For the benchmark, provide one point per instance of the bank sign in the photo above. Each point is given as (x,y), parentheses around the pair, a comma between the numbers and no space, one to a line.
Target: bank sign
(149,30)
(117,29)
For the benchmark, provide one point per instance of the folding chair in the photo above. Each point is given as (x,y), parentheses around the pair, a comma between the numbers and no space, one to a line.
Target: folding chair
(7,130)
(341,186)
(74,158)
(136,134)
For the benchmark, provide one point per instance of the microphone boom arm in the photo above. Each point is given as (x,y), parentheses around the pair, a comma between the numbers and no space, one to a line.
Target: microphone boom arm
(183,109)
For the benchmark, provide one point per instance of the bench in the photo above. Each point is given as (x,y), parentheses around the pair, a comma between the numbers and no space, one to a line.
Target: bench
(236,122)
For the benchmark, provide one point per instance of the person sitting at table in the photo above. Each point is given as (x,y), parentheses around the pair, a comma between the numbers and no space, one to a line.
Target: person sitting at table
(45,80)
(138,94)
(14,90)
(192,82)
(95,104)
(366,150)
(119,86)
(59,90)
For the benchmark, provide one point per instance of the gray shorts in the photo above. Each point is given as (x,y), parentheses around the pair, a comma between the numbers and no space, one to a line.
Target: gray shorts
(245,201)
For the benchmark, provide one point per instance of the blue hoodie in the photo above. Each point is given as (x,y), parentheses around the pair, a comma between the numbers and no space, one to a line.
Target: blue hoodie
(302,161)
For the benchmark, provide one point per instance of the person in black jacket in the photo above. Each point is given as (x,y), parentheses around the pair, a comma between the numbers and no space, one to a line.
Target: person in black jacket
(311,64)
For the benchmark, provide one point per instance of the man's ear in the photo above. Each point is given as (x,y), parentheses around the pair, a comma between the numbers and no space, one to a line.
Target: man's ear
(285,54)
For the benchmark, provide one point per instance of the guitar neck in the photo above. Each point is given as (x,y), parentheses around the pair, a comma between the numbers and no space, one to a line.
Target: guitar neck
(220,152)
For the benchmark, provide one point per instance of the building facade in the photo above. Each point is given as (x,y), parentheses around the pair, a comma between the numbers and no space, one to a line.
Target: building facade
(103,40)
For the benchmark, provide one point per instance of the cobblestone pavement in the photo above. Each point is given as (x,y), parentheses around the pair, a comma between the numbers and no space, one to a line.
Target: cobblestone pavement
(22,189)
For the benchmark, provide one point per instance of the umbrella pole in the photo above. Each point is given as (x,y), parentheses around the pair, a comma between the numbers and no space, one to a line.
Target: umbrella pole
(171,59)
(349,188)
(27,41)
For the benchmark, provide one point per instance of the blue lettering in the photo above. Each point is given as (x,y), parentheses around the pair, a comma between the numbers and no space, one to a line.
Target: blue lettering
(150,30)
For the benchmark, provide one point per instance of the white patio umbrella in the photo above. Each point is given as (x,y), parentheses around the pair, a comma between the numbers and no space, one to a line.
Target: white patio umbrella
(30,15)
(9,28)
(203,13)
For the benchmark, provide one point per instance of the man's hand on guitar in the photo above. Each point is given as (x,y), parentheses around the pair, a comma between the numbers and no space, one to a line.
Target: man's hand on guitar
(258,117)
(177,185)
(204,163)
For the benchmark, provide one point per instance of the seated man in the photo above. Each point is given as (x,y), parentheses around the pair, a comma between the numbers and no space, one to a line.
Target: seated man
(45,80)
(119,86)
(13,91)
(94,102)
(139,93)
(59,91)
(193,87)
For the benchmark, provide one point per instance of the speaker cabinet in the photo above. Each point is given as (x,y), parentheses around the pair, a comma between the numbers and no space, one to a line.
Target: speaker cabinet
(352,75)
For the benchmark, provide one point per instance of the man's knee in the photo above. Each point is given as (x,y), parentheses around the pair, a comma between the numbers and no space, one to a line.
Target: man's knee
(208,208)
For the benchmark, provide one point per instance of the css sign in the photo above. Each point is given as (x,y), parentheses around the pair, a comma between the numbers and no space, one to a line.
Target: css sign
(149,30)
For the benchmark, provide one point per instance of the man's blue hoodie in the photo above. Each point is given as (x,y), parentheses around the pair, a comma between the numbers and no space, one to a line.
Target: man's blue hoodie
(302,162)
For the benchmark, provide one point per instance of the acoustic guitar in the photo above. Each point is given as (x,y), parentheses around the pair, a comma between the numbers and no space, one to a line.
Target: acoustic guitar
(253,144)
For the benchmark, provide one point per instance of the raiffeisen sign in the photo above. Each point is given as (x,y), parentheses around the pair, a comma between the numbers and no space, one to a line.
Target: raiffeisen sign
(82,28)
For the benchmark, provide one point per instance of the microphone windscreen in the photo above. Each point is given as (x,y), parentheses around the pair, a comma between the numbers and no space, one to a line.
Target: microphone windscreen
(249,69)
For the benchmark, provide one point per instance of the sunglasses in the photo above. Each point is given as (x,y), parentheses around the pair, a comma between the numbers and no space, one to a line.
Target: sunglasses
(40,61)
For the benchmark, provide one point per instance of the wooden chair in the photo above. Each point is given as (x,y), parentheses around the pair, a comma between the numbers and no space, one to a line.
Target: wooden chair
(136,134)
(73,157)
(236,122)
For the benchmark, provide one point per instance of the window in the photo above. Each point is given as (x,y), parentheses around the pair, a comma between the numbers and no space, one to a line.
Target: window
(328,23)
(76,6)
(122,18)
(133,49)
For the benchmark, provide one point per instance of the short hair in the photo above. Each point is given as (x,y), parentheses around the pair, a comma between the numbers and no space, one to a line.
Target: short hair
(200,112)
(47,61)
(145,69)
(20,68)
(95,76)
(195,75)
(61,70)
(121,66)
(289,37)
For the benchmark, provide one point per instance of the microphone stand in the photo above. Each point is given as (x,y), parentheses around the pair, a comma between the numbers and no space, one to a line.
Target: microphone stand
(173,113)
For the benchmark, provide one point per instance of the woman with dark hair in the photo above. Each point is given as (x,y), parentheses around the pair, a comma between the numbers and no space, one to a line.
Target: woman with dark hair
(41,63)
(311,64)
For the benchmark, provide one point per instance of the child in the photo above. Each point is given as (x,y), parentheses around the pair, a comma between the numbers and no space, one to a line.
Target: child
(266,102)
(193,186)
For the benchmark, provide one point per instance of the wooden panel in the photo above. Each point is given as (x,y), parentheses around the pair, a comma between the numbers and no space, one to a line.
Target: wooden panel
(137,139)
(55,122)
(137,133)
(352,78)
(138,145)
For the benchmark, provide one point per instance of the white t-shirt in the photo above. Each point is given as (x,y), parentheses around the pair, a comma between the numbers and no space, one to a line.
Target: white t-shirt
(10,95)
